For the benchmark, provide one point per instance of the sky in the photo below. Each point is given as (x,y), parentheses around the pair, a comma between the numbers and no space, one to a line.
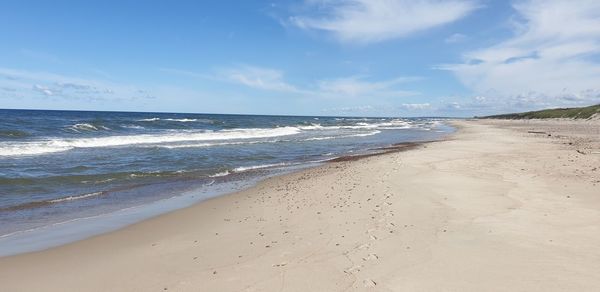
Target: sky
(311,57)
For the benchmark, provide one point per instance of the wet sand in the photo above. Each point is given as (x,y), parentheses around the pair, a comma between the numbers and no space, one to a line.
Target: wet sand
(495,207)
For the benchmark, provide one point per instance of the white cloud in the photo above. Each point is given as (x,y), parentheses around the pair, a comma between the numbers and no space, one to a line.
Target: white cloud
(551,60)
(454,105)
(43,89)
(360,109)
(367,21)
(416,106)
(257,77)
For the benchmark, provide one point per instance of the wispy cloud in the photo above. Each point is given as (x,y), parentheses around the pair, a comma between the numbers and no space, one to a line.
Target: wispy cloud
(350,110)
(415,106)
(358,86)
(268,79)
(551,60)
(19,83)
(455,38)
(408,109)
(273,80)
(257,77)
(43,89)
(367,21)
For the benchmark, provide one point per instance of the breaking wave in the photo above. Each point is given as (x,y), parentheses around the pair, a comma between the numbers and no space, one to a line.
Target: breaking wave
(184,120)
(58,145)
(87,127)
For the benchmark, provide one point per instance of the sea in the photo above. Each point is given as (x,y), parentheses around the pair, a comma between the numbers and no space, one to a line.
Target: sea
(68,175)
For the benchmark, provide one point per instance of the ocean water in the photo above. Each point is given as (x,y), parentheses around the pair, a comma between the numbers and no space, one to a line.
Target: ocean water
(59,166)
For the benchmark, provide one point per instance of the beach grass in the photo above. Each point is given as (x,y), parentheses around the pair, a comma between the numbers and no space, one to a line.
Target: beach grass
(556,113)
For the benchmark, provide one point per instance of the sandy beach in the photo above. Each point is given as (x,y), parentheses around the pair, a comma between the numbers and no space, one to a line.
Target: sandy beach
(497,206)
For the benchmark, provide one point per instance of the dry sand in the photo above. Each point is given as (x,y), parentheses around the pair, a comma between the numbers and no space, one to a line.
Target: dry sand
(499,206)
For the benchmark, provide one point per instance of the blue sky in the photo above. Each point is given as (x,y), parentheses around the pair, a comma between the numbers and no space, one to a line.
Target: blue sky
(312,57)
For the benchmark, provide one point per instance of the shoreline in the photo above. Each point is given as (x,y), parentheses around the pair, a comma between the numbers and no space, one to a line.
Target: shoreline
(396,147)
(40,239)
(475,212)
(73,230)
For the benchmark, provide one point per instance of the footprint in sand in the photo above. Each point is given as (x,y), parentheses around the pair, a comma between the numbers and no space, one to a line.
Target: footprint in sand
(369,283)
(370,257)
(364,246)
(353,269)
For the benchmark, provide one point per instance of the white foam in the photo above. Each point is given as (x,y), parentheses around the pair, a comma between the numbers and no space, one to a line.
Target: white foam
(393,124)
(170,120)
(72,198)
(29,149)
(213,144)
(389,125)
(219,174)
(253,167)
(343,136)
(366,134)
(312,127)
(104,181)
(57,145)
(322,138)
(133,127)
(200,145)
(87,127)
(186,138)
(181,120)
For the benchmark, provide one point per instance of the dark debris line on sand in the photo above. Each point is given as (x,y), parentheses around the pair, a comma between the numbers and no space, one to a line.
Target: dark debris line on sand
(404,146)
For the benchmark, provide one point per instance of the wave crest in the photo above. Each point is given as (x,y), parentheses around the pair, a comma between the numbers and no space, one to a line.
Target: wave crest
(44,203)
(58,145)
(183,120)
(87,127)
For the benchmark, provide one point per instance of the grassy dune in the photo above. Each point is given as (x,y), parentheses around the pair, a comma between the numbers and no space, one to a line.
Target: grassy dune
(566,113)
